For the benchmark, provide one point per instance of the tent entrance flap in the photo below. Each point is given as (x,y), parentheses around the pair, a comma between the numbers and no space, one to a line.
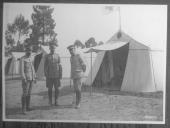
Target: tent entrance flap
(37,61)
(112,68)
(7,66)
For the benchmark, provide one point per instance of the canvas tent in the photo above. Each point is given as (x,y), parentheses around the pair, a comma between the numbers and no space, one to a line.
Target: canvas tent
(39,62)
(7,63)
(6,59)
(124,64)
(12,66)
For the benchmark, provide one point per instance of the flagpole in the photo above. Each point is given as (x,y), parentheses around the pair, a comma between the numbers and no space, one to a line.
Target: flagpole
(119,20)
(91,76)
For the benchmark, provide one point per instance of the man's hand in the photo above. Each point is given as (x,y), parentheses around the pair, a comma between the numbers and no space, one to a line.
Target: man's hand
(24,80)
(35,79)
(84,68)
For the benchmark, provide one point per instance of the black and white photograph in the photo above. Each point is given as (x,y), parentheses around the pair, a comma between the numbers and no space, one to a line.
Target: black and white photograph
(92,63)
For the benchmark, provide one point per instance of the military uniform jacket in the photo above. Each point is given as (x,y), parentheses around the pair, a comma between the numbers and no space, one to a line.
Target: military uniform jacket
(27,68)
(77,66)
(52,66)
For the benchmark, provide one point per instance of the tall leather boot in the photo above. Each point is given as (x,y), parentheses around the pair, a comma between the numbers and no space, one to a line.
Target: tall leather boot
(50,96)
(56,96)
(23,102)
(28,103)
(78,99)
(74,100)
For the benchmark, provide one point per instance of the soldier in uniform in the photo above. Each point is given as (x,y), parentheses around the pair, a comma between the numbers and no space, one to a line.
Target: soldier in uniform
(77,68)
(53,73)
(28,78)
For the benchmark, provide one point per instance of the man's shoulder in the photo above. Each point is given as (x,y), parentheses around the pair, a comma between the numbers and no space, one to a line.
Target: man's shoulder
(23,57)
(56,54)
(79,55)
(47,55)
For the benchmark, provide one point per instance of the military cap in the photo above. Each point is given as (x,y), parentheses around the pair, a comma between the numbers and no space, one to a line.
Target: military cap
(70,47)
(53,45)
(28,48)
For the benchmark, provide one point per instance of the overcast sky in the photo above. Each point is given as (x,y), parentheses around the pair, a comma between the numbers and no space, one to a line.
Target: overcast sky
(145,23)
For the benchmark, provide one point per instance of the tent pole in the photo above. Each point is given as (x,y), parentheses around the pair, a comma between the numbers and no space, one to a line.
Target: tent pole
(153,69)
(119,19)
(91,76)
(12,71)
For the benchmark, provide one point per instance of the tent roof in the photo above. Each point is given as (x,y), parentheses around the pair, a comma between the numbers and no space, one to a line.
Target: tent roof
(112,45)
(134,45)
(18,55)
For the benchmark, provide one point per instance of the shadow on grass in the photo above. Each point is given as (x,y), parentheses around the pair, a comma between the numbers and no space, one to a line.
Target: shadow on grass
(52,107)
(18,111)
(108,91)
(67,90)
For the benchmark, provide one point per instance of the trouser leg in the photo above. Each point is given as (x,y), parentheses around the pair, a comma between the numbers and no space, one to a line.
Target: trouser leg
(78,97)
(28,97)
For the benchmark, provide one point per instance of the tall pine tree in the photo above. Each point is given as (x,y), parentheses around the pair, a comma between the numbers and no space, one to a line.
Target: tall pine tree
(43,26)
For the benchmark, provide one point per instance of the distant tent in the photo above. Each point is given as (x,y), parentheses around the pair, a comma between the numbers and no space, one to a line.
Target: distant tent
(7,64)
(39,62)
(6,59)
(124,64)
(12,66)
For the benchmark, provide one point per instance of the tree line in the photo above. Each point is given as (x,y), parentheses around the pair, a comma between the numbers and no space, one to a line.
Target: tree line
(21,33)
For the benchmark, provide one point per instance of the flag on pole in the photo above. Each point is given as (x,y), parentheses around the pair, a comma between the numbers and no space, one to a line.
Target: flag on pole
(109,9)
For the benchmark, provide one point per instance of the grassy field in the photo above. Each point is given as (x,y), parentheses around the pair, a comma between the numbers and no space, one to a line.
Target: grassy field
(102,105)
